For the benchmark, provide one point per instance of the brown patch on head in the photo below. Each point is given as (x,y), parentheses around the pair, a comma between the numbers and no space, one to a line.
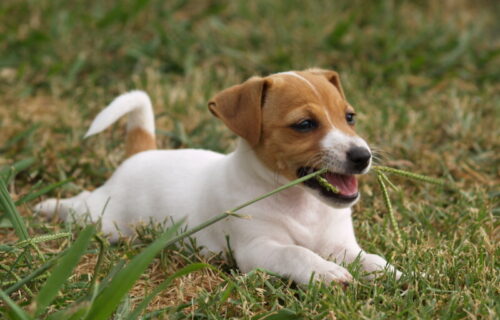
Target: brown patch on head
(331,75)
(263,110)
(291,98)
(139,140)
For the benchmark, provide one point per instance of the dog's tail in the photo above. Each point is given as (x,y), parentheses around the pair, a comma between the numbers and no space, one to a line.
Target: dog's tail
(141,122)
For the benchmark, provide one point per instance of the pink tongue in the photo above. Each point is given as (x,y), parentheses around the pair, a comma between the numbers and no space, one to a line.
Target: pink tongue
(347,184)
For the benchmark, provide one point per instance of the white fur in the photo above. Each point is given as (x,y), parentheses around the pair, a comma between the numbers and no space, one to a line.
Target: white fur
(292,233)
(336,144)
(137,103)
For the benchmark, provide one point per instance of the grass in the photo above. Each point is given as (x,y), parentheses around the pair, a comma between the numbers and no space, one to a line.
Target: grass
(422,75)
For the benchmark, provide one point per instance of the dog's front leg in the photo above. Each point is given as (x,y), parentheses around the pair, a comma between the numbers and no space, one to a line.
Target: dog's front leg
(295,262)
(373,264)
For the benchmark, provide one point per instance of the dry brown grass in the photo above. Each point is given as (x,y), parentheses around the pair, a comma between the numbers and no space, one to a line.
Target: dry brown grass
(422,76)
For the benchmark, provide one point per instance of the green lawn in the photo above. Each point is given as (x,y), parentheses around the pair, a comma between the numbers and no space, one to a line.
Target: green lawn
(423,76)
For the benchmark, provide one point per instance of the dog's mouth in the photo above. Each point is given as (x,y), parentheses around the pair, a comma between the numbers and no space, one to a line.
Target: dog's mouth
(345,186)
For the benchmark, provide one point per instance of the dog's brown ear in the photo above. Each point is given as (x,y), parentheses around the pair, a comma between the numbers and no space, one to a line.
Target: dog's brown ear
(332,76)
(240,108)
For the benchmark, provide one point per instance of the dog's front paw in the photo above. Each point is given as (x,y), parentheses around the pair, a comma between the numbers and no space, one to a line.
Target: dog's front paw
(376,266)
(329,272)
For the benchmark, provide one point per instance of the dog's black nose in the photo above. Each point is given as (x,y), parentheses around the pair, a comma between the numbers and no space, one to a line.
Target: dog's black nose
(359,157)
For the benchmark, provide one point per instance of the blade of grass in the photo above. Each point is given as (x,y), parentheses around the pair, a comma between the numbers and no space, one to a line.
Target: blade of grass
(184,271)
(6,248)
(19,137)
(389,182)
(75,311)
(388,204)
(9,207)
(225,295)
(10,270)
(100,257)
(63,269)
(110,276)
(20,313)
(283,314)
(79,308)
(283,187)
(43,238)
(411,175)
(8,172)
(111,296)
(47,265)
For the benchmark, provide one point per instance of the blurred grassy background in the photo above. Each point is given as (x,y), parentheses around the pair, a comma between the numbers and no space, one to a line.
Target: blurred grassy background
(423,76)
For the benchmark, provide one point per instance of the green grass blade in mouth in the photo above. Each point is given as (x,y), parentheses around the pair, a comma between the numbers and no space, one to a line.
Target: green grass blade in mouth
(325,184)
(277,190)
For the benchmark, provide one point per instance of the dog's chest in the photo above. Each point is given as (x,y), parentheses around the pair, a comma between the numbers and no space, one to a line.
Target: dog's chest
(314,225)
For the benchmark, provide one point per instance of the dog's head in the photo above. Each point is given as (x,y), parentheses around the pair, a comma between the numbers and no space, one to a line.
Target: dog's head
(297,123)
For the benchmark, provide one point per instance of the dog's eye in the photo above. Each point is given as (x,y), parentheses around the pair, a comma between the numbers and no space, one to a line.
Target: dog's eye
(305,125)
(350,118)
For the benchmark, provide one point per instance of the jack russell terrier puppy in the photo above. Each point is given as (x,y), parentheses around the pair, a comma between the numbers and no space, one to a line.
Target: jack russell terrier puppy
(290,124)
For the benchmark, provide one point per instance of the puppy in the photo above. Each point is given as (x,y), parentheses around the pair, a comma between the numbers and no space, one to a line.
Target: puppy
(290,124)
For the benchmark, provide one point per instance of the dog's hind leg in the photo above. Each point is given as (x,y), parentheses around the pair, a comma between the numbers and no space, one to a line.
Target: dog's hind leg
(86,207)
(65,208)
